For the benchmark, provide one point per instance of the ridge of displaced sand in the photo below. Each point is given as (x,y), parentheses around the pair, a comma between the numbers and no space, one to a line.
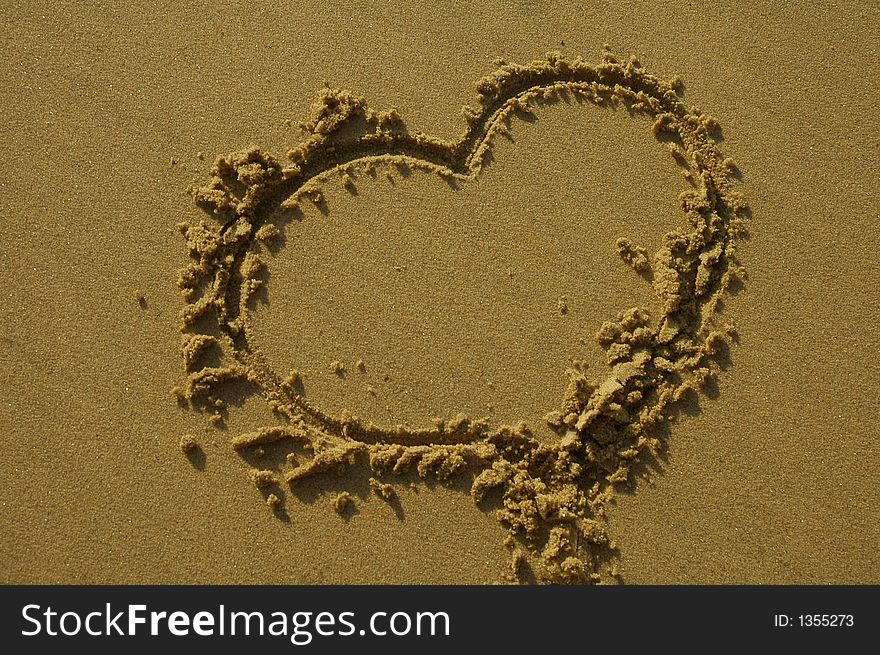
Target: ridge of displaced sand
(552,496)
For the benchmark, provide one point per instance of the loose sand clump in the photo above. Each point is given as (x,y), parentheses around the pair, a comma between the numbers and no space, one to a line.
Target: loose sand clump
(188,443)
(263,478)
(341,502)
(382,489)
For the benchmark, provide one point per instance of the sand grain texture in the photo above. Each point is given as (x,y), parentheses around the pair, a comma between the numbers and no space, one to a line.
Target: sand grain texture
(768,479)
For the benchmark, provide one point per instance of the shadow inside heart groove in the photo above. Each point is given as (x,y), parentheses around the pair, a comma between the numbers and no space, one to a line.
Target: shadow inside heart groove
(298,224)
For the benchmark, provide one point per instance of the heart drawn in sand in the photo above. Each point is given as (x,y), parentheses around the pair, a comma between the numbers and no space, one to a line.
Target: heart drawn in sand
(552,496)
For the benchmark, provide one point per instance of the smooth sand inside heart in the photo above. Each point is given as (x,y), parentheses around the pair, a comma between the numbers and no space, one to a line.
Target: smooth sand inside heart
(474,299)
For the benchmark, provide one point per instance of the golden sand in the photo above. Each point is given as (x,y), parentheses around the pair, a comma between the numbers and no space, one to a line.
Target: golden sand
(416,348)
(553,492)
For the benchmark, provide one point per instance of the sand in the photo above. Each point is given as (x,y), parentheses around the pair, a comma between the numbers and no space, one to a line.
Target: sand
(401,341)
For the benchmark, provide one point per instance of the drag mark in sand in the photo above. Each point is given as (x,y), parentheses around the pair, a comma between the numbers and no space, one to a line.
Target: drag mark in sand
(551,497)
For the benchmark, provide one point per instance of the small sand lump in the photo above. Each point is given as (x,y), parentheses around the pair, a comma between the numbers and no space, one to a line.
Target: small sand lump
(262,478)
(382,490)
(635,256)
(267,233)
(341,502)
(188,443)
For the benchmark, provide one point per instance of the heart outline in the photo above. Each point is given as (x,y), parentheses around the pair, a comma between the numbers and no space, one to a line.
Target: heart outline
(546,510)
